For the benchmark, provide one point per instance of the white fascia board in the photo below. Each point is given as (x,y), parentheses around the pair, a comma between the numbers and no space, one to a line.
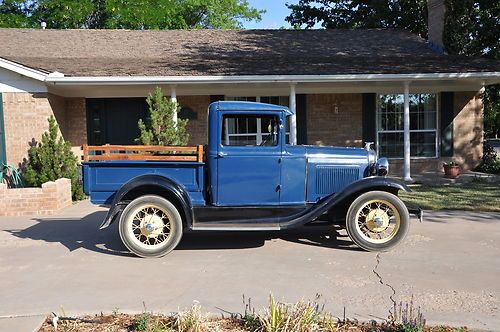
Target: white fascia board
(488,77)
(23,70)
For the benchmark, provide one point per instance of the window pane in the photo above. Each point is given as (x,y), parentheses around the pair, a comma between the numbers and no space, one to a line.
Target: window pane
(390,145)
(249,129)
(390,115)
(423,144)
(423,112)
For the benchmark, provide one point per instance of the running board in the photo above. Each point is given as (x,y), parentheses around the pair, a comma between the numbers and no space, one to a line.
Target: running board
(226,226)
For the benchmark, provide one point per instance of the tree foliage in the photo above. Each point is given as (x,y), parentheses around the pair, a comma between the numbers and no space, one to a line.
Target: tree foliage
(353,14)
(53,159)
(127,14)
(471,28)
(160,127)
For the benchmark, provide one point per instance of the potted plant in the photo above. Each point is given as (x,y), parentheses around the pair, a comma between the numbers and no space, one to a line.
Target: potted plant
(451,169)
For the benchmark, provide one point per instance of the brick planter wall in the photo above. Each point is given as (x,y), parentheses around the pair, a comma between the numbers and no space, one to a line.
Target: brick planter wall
(47,200)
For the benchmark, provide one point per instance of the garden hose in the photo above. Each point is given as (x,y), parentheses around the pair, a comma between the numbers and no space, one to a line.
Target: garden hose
(11,176)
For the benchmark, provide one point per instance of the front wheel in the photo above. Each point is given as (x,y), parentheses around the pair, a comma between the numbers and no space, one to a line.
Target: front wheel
(377,221)
(150,226)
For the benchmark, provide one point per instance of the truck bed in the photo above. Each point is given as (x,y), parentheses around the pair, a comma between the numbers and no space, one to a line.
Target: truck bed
(107,168)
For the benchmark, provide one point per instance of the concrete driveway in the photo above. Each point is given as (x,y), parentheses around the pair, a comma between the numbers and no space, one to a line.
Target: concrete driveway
(449,264)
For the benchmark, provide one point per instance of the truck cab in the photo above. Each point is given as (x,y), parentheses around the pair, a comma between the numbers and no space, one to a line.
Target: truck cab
(249,178)
(249,148)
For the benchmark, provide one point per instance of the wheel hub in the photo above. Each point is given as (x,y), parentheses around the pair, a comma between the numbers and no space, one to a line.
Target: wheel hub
(377,220)
(151,225)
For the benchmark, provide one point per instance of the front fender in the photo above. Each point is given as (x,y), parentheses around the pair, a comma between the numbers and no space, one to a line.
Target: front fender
(353,189)
(150,181)
(369,184)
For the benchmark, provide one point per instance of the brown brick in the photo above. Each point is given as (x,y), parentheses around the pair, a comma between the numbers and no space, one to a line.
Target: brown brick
(468,129)
(35,201)
(197,129)
(334,119)
(25,118)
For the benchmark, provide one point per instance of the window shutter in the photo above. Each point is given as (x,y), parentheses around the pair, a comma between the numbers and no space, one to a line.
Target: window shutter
(214,98)
(446,123)
(369,109)
(301,100)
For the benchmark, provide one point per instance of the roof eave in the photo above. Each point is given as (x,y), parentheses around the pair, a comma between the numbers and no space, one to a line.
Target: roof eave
(23,70)
(486,77)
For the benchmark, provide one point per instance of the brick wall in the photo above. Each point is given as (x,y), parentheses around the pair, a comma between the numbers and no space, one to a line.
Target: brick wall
(48,199)
(468,129)
(76,124)
(25,118)
(334,119)
(197,129)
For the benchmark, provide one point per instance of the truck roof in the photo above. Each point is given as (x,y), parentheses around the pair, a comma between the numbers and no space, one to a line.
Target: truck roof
(246,106)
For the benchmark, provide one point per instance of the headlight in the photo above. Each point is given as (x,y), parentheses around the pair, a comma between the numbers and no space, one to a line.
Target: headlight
(382,167)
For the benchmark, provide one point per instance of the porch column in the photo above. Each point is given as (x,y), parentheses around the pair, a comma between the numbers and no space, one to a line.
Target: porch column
(406,136)
(173,97)
(293,118)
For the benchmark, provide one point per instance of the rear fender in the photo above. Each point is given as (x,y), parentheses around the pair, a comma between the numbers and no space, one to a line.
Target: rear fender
(163,184)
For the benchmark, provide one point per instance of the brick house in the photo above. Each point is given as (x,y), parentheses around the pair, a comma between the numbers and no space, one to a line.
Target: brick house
(345,87)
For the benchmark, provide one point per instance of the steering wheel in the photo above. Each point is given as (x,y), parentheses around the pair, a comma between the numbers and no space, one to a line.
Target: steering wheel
(268,140)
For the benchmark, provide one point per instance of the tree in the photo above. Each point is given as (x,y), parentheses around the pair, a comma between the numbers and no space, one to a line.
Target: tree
(53,159)
(127,14)
(15,13)
(353,14)
(471,28)
(160,128)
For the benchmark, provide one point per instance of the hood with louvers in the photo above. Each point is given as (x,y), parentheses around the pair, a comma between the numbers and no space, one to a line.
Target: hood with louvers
(331,169)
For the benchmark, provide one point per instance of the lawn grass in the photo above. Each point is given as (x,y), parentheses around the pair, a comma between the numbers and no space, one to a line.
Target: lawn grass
(472,196)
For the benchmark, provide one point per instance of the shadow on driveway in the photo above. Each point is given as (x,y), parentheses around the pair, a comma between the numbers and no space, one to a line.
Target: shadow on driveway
(75,233)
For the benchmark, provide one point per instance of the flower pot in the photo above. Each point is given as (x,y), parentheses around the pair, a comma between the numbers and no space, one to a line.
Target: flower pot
(451,172)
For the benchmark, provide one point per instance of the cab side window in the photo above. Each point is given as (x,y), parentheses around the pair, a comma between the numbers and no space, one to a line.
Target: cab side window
(249,130)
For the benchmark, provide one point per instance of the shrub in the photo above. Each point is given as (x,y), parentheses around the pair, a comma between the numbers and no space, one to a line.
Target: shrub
(490,162)
(160,127)
(52,159)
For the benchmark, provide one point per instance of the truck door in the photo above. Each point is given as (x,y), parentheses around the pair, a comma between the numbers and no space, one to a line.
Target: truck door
(248,160)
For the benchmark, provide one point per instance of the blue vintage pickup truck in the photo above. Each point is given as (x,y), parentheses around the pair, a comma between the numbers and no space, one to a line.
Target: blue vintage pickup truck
(249,178)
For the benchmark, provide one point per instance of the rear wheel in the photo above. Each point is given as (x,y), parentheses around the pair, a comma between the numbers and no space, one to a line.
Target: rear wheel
(377,221)
(150,226)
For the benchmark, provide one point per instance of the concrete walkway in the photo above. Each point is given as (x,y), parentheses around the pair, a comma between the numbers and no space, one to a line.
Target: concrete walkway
(449,265)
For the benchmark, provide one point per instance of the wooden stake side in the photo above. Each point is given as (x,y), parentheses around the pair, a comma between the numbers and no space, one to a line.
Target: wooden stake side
(143,152)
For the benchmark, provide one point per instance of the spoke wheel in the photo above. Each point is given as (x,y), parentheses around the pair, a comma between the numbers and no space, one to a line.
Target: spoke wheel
(150,226)
(377,221)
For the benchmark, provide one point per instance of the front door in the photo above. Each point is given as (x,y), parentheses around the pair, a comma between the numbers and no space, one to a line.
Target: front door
(3,155)
(114,120)
(248,161)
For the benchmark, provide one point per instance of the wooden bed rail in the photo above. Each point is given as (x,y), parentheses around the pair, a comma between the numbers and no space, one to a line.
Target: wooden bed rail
(142,152)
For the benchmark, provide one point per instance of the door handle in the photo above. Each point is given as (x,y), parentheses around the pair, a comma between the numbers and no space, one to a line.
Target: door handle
(221,154)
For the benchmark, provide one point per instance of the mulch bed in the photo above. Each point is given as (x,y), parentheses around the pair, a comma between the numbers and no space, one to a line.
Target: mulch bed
(128,323)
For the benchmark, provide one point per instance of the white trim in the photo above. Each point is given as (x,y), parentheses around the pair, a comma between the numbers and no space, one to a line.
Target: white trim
(293,118)
(23,70)
(406,133)
(124,80)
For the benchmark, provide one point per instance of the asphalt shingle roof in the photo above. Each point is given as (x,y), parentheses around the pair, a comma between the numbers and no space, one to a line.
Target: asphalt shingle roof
(230,52)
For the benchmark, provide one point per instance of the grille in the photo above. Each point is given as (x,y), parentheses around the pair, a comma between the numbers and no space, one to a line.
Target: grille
(331,179)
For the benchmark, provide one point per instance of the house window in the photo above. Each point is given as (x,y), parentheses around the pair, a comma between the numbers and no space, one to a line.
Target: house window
(275,100)
(249,130)
(423,126)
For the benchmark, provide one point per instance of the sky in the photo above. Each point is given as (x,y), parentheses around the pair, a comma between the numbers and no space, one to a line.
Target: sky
(274,18)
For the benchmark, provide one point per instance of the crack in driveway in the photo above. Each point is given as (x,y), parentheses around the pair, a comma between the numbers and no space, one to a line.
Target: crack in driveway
(391,317)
